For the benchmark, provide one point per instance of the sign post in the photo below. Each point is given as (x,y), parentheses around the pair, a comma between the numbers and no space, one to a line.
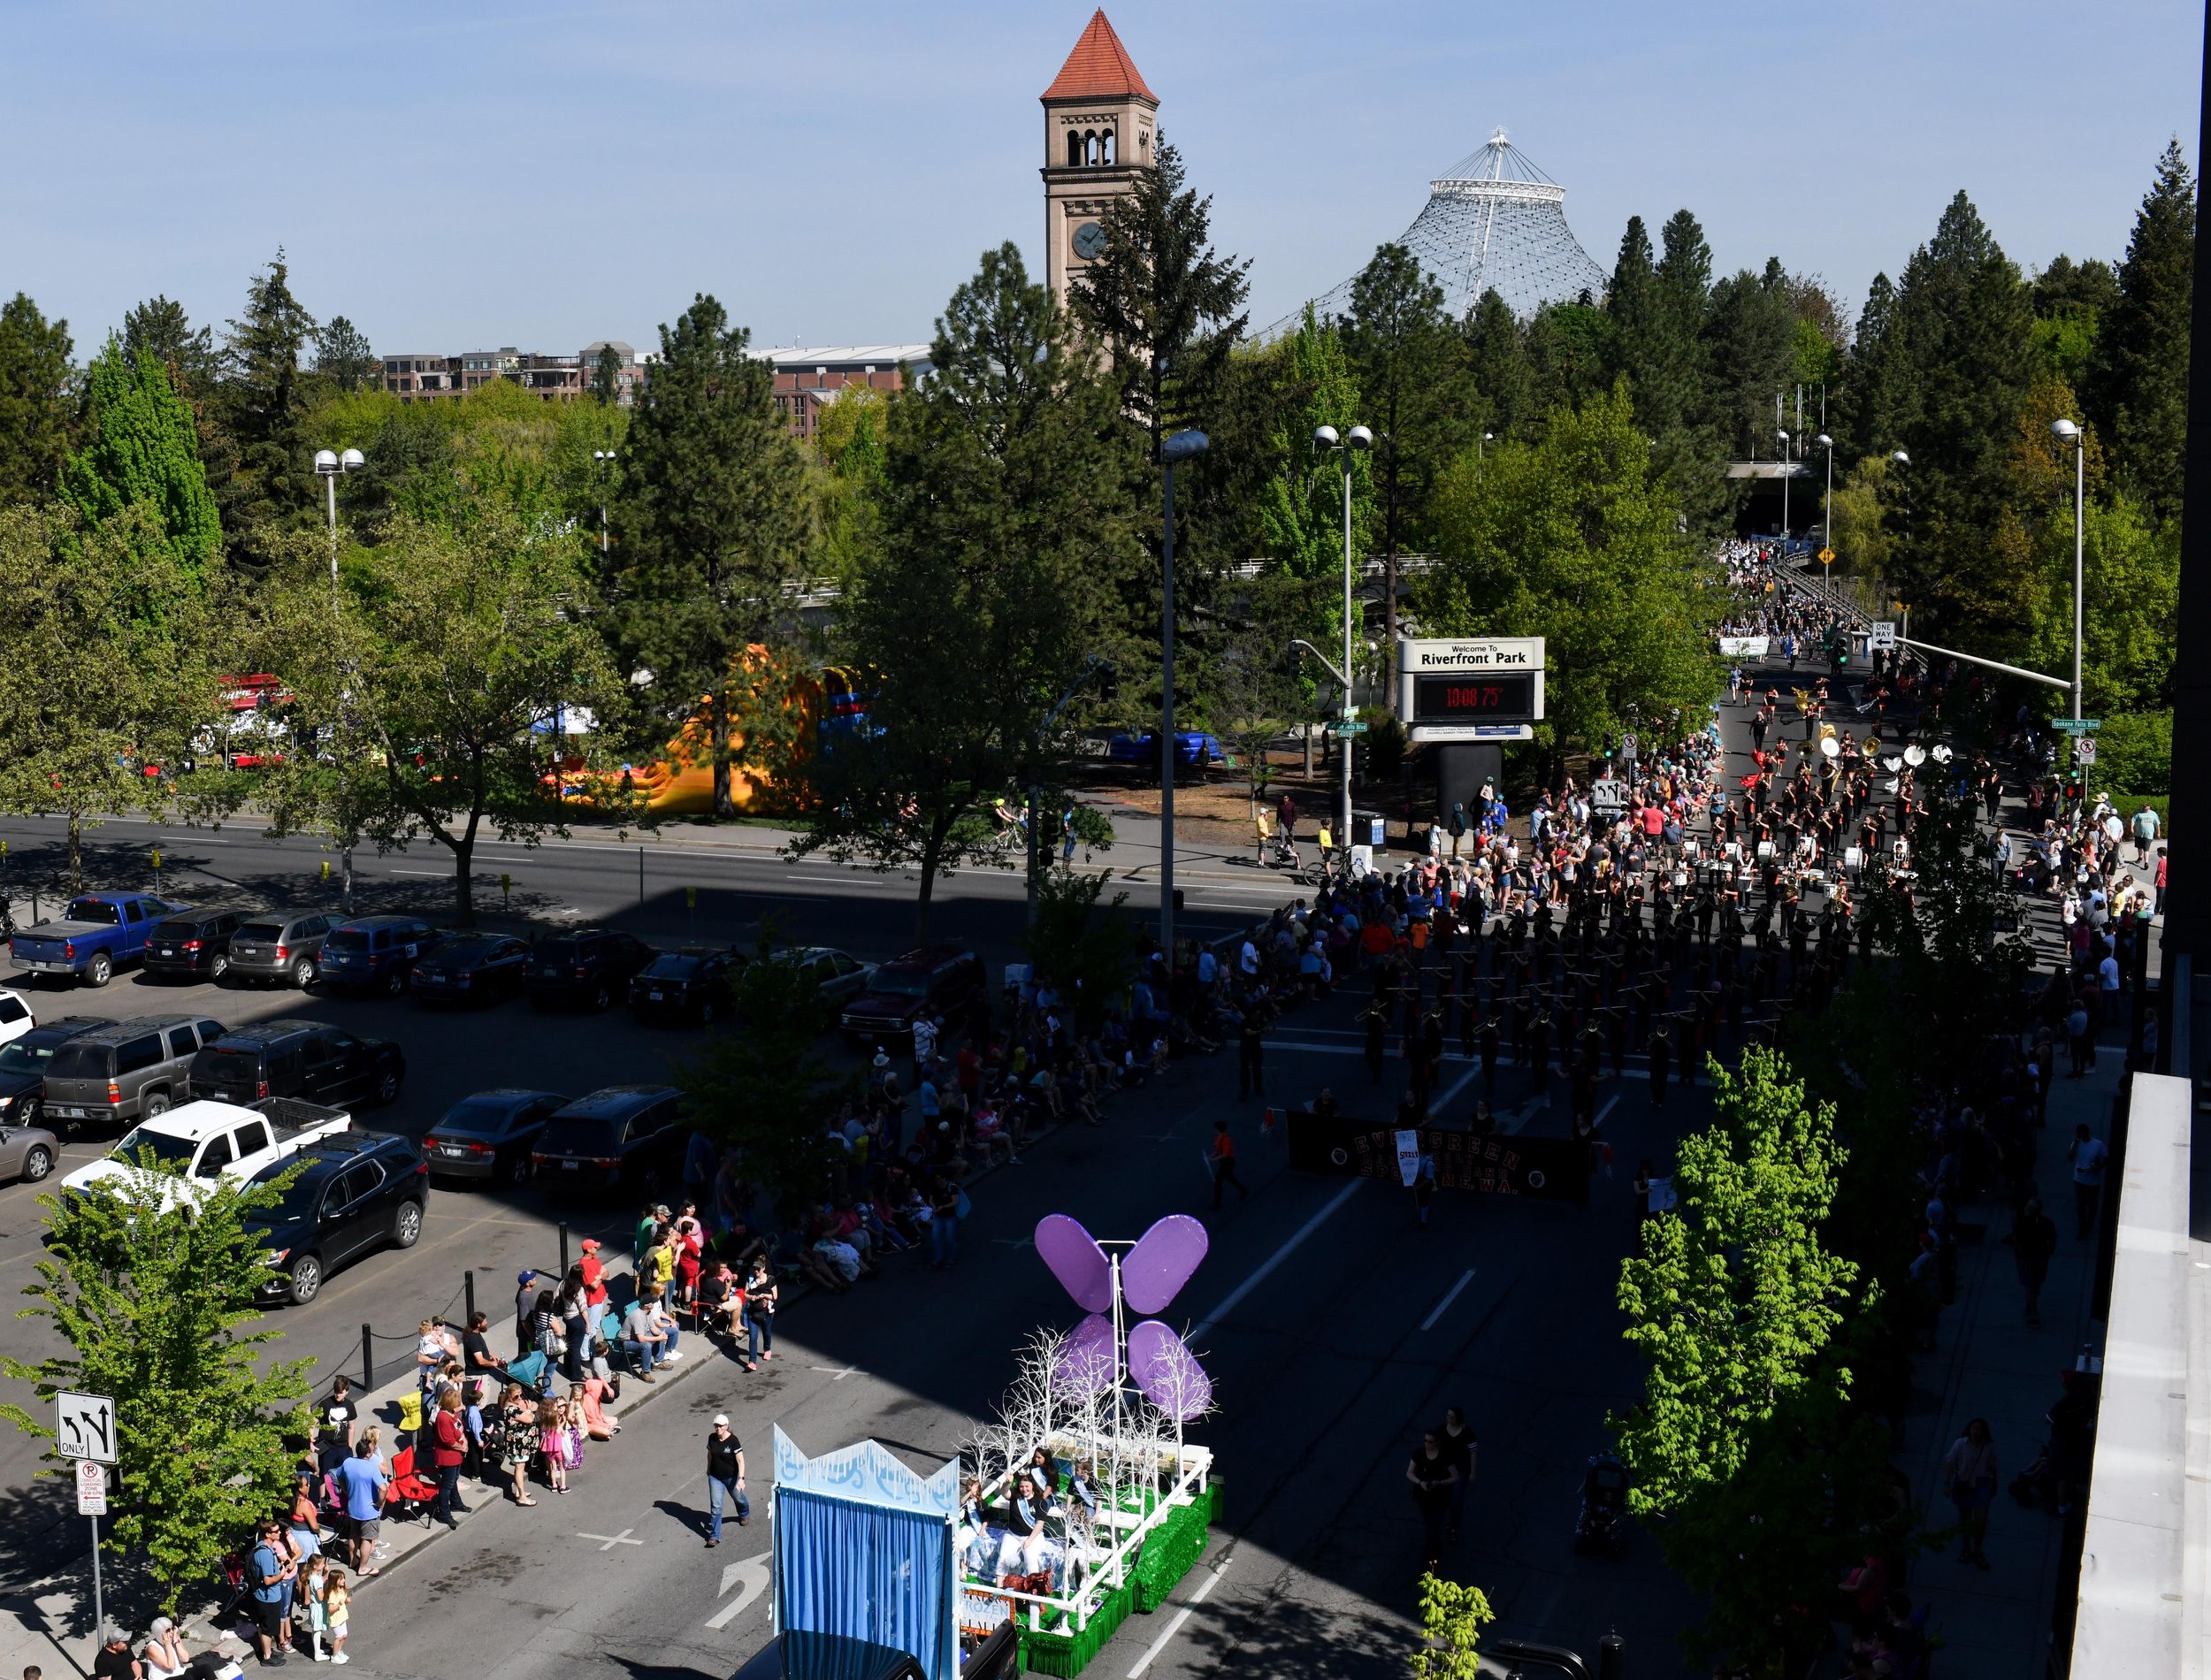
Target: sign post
(84,1430)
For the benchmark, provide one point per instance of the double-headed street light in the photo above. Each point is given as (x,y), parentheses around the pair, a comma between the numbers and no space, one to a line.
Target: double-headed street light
(1785,464)
(1183,446)
(602,463)
(330,465)
(1325,439)
(1827,508)
(2065,432)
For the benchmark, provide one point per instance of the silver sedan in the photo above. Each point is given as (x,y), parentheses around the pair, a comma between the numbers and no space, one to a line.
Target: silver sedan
(27,1152)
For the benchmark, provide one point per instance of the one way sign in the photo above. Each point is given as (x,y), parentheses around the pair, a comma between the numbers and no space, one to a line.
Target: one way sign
(84,1427)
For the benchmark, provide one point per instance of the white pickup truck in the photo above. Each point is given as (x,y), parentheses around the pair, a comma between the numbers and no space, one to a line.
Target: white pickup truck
(211,1141)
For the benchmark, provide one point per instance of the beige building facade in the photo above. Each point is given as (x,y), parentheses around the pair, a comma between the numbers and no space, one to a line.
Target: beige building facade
(1101,126)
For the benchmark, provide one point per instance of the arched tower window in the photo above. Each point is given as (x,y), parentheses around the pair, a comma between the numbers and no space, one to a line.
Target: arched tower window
(1109,149)
(1074,149)
(1090,148)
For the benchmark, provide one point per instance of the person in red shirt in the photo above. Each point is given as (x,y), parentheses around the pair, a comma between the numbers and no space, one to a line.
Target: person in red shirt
(594,1283)
(1223,1160)
(449,1450)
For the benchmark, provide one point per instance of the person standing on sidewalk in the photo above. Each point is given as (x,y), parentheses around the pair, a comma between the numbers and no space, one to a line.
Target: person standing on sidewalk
(1969,1476)
(2088,1155)
(725,1478)
(1223,1161)
(449,1451)
(1251,1046)
(2033,1240)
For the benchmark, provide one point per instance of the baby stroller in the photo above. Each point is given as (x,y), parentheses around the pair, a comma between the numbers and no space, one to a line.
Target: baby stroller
(1602,1523)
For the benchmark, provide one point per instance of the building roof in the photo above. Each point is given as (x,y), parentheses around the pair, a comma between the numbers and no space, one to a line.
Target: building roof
(1098,68)
(884,356)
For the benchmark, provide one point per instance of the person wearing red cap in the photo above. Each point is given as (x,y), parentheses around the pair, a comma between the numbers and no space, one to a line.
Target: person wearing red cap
(594,1285)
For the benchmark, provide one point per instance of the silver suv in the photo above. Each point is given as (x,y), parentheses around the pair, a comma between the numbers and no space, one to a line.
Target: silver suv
(285,950)
(122,1073)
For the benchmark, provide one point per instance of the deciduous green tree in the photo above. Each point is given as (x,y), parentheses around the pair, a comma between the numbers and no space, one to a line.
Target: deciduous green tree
(1452,1620)
(712,525)
(141,449)
(150,1281)
(33,400)
(1301,503)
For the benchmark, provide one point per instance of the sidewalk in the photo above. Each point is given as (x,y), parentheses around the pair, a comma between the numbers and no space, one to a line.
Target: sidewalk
(1986,1362)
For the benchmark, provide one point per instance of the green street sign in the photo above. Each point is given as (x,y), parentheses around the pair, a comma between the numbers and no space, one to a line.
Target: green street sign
(1352,728)
(2077,725)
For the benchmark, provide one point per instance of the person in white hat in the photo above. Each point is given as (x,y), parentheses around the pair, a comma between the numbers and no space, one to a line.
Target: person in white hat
(725,1478)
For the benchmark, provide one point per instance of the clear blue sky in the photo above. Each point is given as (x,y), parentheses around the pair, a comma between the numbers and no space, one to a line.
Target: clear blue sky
(473,173)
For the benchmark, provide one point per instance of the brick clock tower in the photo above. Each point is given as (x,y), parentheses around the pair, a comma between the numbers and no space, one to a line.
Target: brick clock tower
(1100,127)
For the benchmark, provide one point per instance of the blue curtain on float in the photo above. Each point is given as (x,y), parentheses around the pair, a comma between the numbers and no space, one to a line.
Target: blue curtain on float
(870,1560)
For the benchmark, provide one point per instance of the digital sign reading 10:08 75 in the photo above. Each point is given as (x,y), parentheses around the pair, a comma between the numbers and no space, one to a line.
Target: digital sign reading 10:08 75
(1474,697)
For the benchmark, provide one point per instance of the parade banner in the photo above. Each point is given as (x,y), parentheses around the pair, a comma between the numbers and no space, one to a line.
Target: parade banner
(1744,646)
(1547,1169)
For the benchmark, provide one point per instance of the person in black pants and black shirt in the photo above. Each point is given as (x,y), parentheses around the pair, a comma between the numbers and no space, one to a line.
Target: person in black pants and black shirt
(1434,1473)
(725,1478)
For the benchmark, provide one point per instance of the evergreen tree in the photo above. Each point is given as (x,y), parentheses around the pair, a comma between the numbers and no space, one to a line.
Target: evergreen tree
(1962,313)
(1751,340)
(1007,533)
(33,400)
(159,328)
(1569,348)
(150,1282)
(1167,307)
(2138,383)
(142,449)
(1640,325)
(342,356)
(1498,367)
(1876,400)
(1406,362)
(1679,363)
(263,402)
(1301,504)
(712,525)
(605,377)
(2071,301)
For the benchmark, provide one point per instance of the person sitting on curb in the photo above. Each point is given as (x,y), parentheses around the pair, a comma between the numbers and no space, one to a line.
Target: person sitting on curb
(642,1339)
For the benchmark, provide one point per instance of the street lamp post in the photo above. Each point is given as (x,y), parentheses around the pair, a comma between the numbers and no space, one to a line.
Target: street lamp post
(1827,510)
(2065,432)
(1325,439)
(330,467)
(1183,446)
(602,461)
(1784,485)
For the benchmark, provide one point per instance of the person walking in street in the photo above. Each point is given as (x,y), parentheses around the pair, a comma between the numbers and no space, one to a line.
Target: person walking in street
(1223,1161)
(760,1309)
(1250,1048)
(2033,1240)
(2087,1156)
(1458,1440)
(725,1478)
(1434,1476)
(1969,1476)
(449,1451)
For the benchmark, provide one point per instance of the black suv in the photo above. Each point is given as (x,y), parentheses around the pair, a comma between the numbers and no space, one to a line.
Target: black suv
(694,985)
(375,953)
(625,1136)
(941,978)
(356,1191)
(308,1059)
(592,968)
(193,945)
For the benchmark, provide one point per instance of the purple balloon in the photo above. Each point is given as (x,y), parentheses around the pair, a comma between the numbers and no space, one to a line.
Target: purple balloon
(1167,1372)
(1160,1264)
(1077,1261)
(1087,1360)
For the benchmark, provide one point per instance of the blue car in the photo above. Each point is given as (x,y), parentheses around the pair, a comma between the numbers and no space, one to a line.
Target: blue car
(1196,747)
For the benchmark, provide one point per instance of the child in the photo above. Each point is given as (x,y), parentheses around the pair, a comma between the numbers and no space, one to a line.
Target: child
(557,1438)
(312,1591)
(336,1601)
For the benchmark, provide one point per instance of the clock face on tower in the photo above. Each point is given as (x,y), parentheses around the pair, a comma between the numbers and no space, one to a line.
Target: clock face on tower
(1090,241)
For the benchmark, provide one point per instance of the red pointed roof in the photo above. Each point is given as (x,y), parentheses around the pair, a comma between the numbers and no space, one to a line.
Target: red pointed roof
(1098,68)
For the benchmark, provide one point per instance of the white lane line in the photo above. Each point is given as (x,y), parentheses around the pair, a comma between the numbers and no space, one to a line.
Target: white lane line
(1236,1295)
(1175,1626)
(1443,1305)
(191,840)
(440,874)
(1607,1109)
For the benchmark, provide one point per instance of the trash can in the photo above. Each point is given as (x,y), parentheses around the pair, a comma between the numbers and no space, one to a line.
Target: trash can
(1367,831)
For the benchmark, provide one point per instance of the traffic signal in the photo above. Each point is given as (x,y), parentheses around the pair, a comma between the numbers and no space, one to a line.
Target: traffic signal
(1108,682)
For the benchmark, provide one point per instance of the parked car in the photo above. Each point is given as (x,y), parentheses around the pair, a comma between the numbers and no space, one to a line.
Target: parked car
(279,950)
(210,1140)
(624,1137)
(23,1065)
(374,953)
(194,946)
(471,968)
(1196,748)
(356,1192)
(298,1058)
(17,1016)
(689,985)
(941,978)
(838,977)
(490,1135)
(123,1071)
(94,935)
(592,966)
(27,1151)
